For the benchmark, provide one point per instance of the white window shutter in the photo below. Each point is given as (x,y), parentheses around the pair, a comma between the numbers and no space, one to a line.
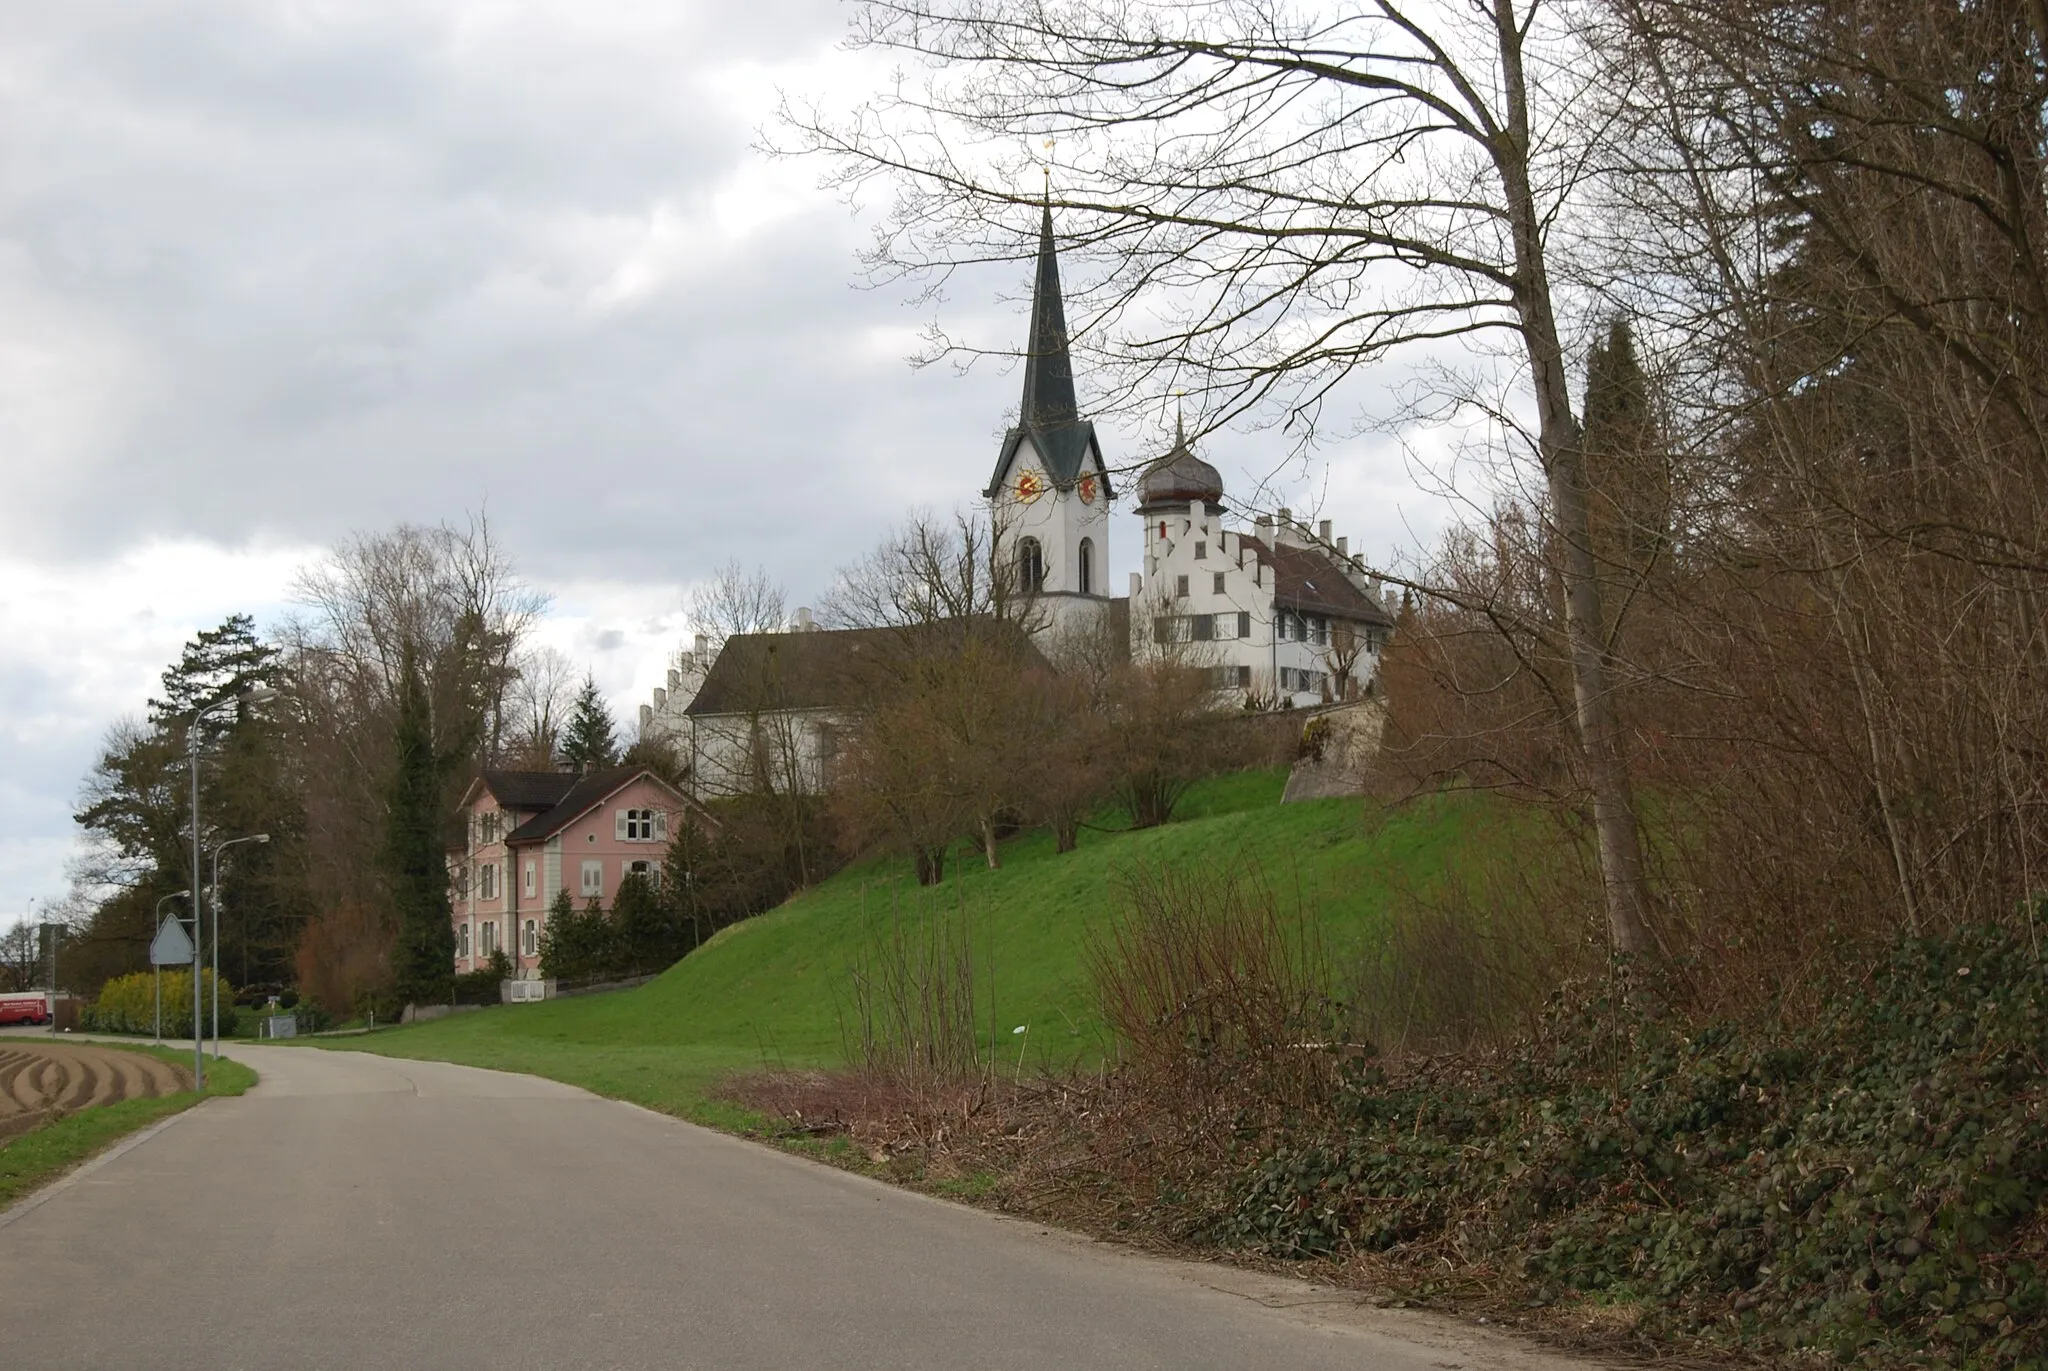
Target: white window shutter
(619,824)
(661,825)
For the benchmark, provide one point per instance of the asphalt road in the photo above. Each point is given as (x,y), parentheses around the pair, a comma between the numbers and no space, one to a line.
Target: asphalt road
(360,1212)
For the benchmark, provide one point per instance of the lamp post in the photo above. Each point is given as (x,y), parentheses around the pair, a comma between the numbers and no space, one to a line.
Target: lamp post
(219,848)
(248,697)
(158,969)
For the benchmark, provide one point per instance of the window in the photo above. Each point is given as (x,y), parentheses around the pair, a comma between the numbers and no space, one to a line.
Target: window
(639,826)
(646,871)
(486,938)
(487,826)
(1319,631)
(593,879)
(1219,583)
(487,881)
(1162,529)
(462,940)
(1030,566)
(461,882)
(1244,678)
(529,880)
(529,939)
(1180,587)
(1087,567)
(1201,552)
(1244,624)
(1202,628)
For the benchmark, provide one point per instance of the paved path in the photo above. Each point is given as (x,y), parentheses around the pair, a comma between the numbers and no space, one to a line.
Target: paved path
(356,1211)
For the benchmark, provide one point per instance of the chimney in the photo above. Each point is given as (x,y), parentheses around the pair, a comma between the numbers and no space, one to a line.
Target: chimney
(1343,546)
(660,698)
(646,718)
(1263,525)
(697,647)
(804,622)
(1137,586)
(1323,530)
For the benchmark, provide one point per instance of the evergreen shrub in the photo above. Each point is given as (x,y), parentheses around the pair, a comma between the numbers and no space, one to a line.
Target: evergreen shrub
(1869,1185)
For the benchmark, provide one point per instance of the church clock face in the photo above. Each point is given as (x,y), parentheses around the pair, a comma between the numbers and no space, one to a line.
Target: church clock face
(1087,489)
(1030,484)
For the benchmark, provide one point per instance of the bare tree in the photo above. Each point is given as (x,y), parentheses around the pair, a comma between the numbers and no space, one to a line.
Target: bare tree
(18,956)
(1275,199)
(542,693)
(736,601)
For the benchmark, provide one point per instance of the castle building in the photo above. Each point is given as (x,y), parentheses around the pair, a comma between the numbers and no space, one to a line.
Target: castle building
(1281,615)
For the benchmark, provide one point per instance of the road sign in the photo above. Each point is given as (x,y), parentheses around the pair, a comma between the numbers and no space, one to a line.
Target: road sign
(173,945)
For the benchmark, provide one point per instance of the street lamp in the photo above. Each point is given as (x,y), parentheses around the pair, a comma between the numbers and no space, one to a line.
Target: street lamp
(156,967)
(219,848)
(255,696)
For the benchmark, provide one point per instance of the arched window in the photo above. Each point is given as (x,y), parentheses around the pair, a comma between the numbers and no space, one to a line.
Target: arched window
(1087,581)
(1030,566)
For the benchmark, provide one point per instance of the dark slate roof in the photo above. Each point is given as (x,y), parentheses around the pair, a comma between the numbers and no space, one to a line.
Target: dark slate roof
(1180,478)
(824,668)
(584,793)
(1312,582)
(528,789)
(1050,415)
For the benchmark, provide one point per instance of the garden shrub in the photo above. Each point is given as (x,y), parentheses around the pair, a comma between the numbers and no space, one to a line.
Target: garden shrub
(127,1004)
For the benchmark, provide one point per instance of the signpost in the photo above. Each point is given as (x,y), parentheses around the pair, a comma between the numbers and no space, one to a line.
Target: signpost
(172,947)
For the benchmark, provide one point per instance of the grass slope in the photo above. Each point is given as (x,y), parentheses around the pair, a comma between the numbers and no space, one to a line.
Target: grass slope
(39,1156)
(773,990)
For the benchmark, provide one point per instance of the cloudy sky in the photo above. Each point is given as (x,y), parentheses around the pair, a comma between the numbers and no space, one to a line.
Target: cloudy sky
(270,273)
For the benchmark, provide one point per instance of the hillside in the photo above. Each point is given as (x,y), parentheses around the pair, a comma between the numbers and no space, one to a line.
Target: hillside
(774,990)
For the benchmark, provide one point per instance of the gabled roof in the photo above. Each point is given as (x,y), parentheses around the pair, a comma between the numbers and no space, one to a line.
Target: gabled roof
(1310,580)
(522,789)
(825,668)
(1050,415)
(585,793)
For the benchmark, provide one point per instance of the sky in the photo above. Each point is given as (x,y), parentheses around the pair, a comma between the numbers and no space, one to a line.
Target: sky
(275,273)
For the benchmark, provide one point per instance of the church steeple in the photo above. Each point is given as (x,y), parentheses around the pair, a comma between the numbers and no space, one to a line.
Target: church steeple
(1048,369)
(1049,417)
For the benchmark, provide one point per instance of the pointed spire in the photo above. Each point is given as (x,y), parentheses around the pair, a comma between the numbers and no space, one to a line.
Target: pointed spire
(1048,370)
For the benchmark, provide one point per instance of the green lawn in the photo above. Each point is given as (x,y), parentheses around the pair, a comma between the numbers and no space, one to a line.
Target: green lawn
(39,1156)
(773,990)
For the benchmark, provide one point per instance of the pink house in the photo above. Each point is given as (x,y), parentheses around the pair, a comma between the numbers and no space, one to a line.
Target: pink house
(527,834)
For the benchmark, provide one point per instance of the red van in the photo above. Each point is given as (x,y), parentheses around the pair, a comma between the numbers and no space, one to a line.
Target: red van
(24,1008)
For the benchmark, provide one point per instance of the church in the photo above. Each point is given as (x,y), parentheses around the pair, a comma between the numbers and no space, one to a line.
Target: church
(1280,616)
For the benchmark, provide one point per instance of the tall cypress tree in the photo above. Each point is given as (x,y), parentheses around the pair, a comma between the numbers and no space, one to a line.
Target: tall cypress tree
(424,958)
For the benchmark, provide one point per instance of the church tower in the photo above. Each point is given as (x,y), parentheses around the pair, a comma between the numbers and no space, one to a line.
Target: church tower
(1050,492)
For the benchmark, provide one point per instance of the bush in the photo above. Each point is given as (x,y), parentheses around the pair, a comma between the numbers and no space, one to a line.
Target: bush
(127,1004)
(1870,1185)
(481,986)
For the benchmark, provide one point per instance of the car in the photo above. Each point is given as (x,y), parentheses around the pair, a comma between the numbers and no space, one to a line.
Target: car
(33,1008)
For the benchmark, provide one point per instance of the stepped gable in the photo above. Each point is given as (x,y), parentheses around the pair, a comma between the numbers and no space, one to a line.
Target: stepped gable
(1309,580)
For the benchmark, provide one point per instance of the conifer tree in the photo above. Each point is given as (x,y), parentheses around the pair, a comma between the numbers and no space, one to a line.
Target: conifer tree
(590,741)
(423,961)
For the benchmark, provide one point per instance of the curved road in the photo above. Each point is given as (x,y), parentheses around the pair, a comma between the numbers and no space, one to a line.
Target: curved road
(356,1211)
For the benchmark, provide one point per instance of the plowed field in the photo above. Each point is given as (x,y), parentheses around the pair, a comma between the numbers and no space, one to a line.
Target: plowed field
(38,1080)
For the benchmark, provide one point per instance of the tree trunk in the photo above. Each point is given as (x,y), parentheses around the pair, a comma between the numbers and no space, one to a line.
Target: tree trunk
(988,843)
(1600,738)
